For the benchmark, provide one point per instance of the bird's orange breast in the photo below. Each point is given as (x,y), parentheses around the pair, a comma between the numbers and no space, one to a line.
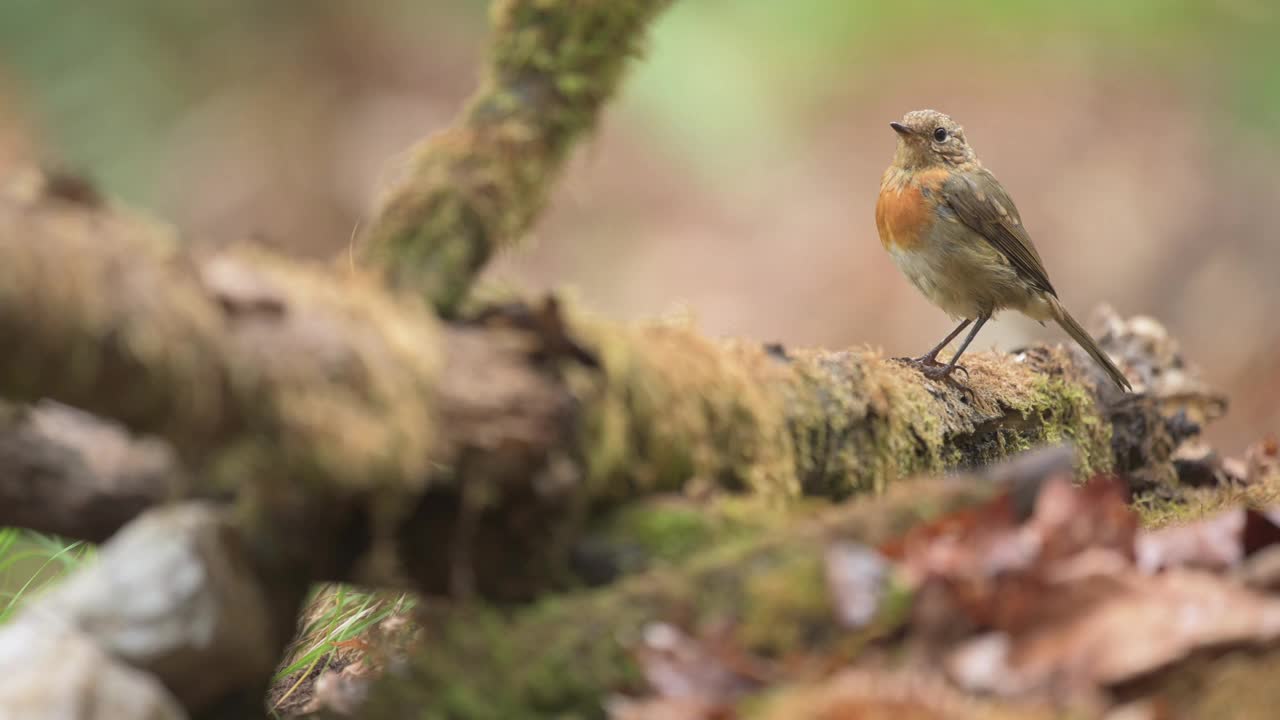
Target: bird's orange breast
(905,208)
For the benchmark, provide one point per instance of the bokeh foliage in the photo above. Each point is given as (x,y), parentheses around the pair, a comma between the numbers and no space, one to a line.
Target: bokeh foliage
(107,79)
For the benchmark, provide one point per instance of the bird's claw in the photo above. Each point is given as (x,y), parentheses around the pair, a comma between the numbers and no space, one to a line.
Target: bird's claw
(935,370)
(938,371)
(931,368)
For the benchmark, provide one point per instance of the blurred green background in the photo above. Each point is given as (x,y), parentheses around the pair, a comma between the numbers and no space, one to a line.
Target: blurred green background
(736,175)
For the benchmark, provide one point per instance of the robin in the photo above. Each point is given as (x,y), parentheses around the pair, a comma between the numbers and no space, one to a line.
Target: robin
(951,228)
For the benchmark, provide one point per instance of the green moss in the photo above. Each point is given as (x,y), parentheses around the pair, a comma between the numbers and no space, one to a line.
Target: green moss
(666,533)
(555,660)
(786,605)
(1040,401)
(560,658)
(672,529)
(1065,410)
(673,406)
(896,424)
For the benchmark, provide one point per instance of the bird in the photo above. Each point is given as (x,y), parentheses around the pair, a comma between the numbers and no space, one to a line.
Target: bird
(952,229)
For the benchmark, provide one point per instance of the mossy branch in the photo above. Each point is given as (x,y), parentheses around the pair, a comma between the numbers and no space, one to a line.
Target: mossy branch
(344,419)
(245,363)
(478,186)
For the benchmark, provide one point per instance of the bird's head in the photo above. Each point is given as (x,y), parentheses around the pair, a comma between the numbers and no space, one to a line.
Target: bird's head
(928,138)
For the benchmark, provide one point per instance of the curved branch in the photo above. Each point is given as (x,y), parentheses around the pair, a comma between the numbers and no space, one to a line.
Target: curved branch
(479,185)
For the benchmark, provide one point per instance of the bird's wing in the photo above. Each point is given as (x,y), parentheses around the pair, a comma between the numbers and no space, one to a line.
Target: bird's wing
(981,202)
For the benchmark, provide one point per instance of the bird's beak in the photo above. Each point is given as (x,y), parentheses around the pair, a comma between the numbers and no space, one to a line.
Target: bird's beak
(901,129)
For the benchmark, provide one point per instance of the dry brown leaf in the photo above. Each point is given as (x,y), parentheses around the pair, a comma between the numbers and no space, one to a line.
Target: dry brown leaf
(856,577)
(1144,624)
(676,665)
(1217,543)
(969,542)
(859,694)
(979,565)
(689,677)
(1069,519)
(1070,595)
(667,709)
(1211,544)
(985,541)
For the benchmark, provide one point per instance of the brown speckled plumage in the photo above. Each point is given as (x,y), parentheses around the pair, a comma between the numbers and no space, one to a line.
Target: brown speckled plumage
(953,230)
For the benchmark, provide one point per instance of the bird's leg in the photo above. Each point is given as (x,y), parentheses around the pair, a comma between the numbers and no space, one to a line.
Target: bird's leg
(936,372)
(931,357)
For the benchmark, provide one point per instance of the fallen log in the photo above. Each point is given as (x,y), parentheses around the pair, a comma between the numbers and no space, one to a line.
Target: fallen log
(343,418)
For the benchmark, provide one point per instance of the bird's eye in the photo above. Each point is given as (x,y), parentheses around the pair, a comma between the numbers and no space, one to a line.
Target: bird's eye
(940,134)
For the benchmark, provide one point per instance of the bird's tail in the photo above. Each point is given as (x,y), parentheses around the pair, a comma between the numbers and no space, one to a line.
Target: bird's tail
(1081,336)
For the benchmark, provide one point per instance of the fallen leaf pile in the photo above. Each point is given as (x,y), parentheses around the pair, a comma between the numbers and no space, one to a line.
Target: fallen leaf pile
(1056,601)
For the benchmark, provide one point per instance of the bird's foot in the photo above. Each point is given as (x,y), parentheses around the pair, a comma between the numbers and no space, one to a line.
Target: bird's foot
(945,373)
(939,371)
(931,368)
